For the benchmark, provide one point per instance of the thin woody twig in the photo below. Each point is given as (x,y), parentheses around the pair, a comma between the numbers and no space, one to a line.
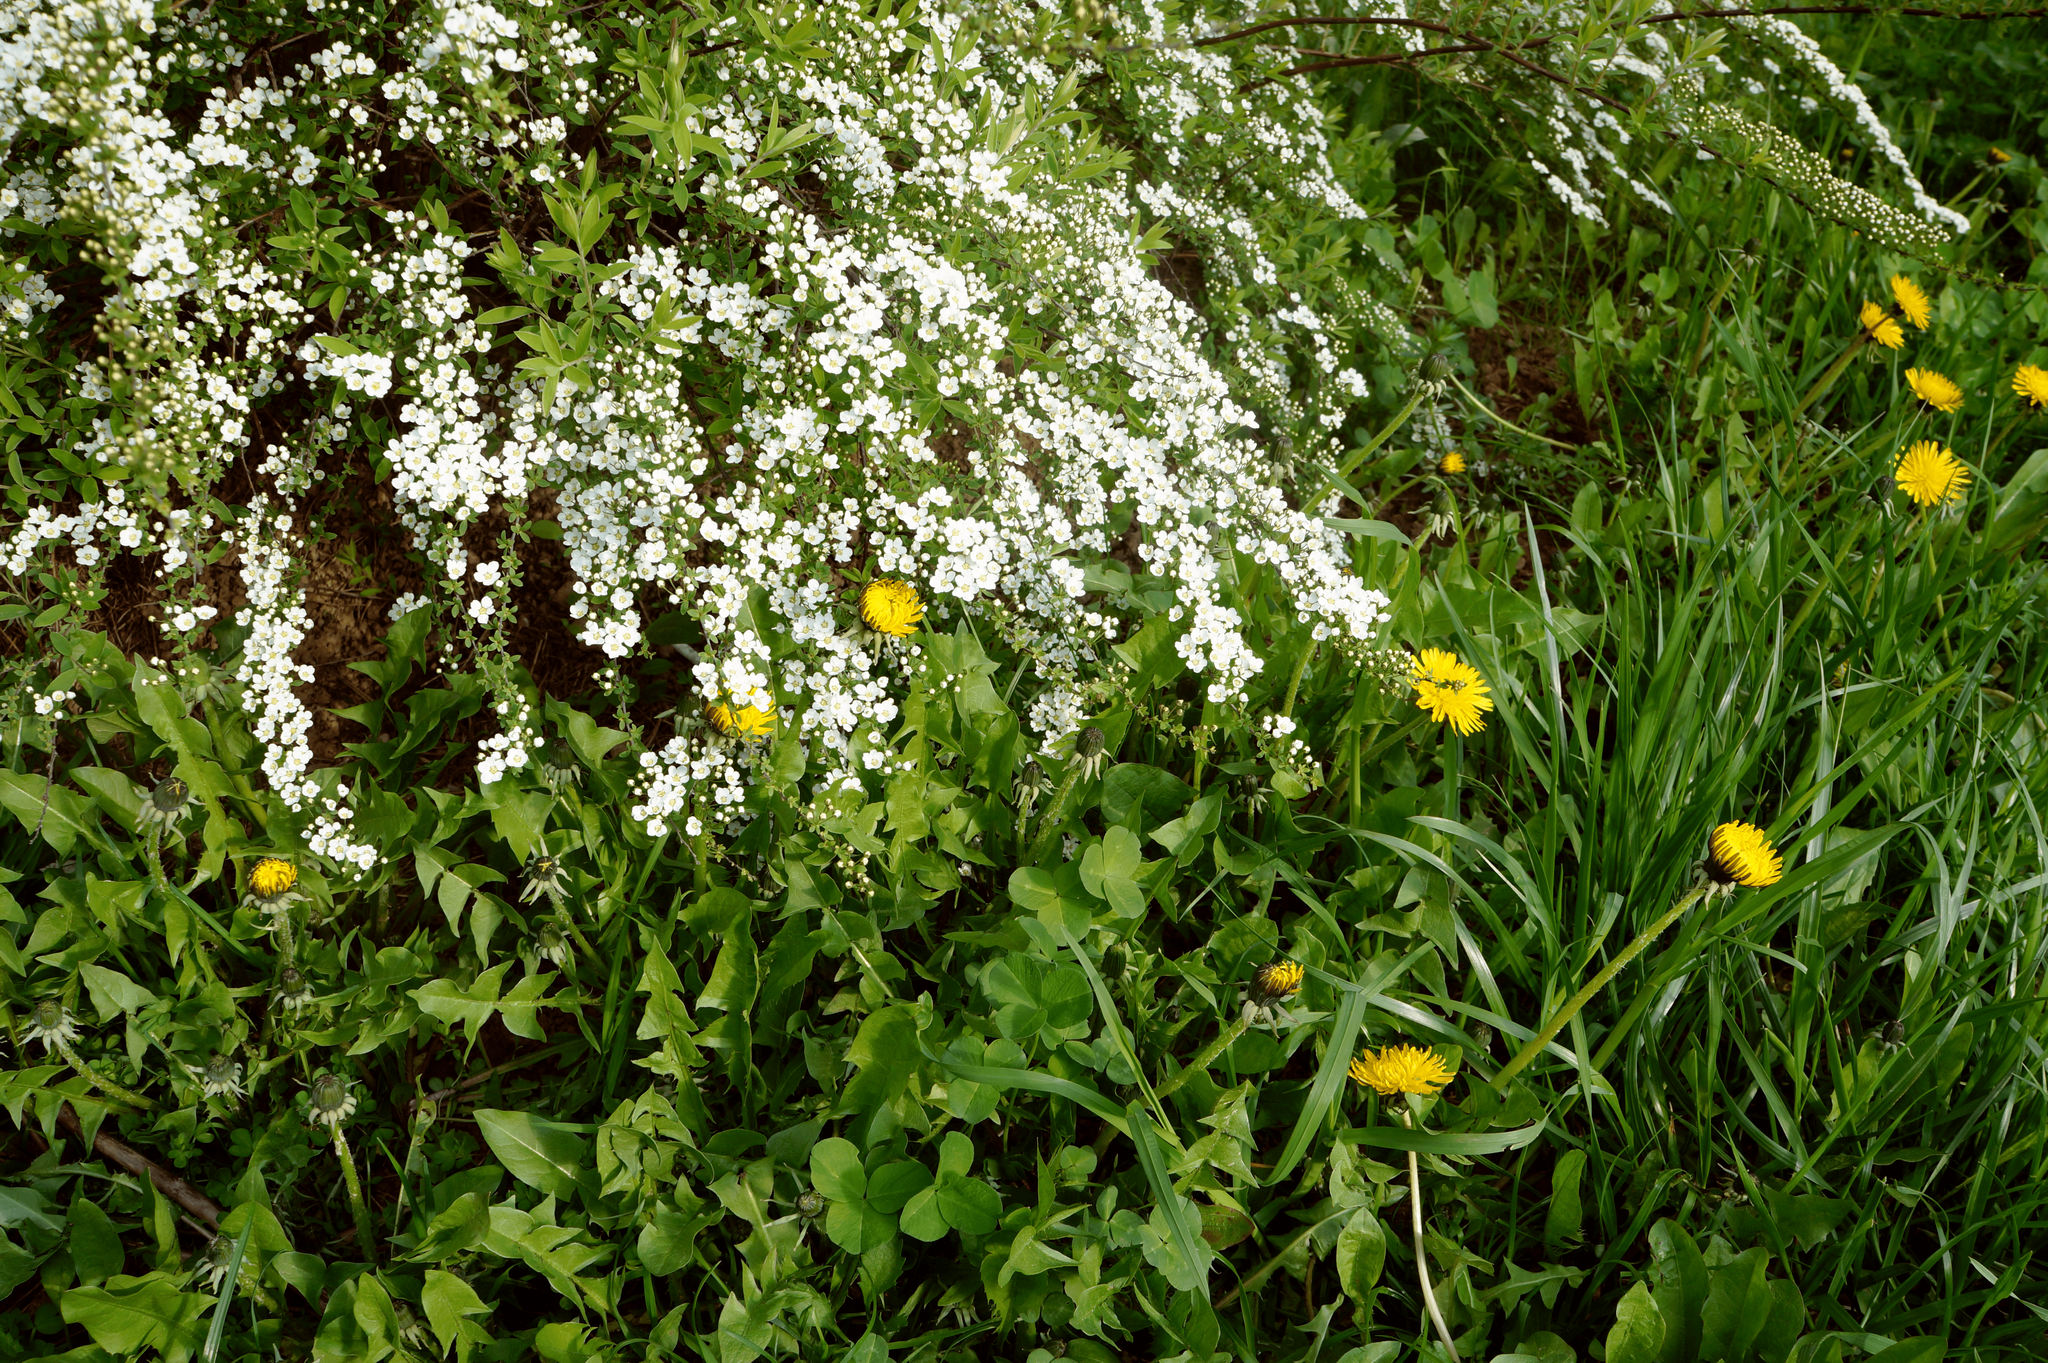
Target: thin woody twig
(1914,12)
(122,1155)
(1676,16)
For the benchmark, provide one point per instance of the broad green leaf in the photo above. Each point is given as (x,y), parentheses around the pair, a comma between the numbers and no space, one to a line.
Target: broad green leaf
(921,1218)
(836,1170)
(539,1153)
(446,1300)
(1638,1333)
(1361,1252)
(1141,797)
(63,814)
(1738,1303)
(1184,836)
(520,816)
(968,1204)
(139,1313)
(885,1051)
(1918,1349)
(1563,1216)
(96,1252)
(892,1185)
(1681,1291)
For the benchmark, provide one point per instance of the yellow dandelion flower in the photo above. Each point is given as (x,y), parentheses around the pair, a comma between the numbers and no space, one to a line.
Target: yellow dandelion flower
(892,607)
(739,721)
(1912,301)
(1740,854)
(1276,981)
(1450,689)
(272,877)
(1998,157)
(1929,472)
(1400,1069)
(1454,462)
(2030,381)
(1936,390)
(1882,329)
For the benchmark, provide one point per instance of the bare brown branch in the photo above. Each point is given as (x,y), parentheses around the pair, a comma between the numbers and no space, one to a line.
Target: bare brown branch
(119,1153)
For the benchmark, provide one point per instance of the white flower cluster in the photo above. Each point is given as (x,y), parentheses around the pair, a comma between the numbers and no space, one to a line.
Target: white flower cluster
(1583,132)
(509,749)
(482,41)
(1806,52)
(364,372)
(329,835)
(278,623)
(54,701)
(977,379)
(84,527)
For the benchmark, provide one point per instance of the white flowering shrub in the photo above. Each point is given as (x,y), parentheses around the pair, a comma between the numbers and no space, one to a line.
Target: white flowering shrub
(746,318)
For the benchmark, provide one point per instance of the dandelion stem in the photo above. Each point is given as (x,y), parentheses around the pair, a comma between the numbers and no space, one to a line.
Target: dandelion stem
(1048,822)
(1572,1005)
(156,857)
(366,1233)
(1436,1314)
(1358,456)
(1501,420)
(100,1081)
(1205,1057)
(1834,371)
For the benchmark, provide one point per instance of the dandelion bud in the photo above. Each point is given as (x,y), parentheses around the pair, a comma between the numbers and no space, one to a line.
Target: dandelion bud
(1088,746)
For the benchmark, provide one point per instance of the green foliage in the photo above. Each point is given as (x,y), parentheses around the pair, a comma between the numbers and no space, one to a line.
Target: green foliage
(855,1077)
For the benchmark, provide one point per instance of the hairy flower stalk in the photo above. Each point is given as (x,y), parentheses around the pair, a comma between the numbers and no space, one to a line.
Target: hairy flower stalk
(1436,1313)
(1739,855)
(1087,757)
(1206,1057)
(329,1104)
(1391,1072)
(50,1023)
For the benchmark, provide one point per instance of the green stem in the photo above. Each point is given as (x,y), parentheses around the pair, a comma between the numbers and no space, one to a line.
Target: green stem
(1048,823)
(100,1081)
(1206,1056)
(156,858)
(1358,456)
(1572,1005)
(1834,371)
(366,1233)
(1498,418)
(1436,1314)
(1294,682)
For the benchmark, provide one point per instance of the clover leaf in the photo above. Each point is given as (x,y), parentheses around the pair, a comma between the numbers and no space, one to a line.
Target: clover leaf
(956,1200)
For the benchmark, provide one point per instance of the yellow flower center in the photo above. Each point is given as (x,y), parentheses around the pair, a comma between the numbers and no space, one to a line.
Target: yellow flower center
(1742,855)
(890,606)
(744,721)
(272,877)
(1930,473)
(1450,690)
(1401,1069)
(1279,980)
